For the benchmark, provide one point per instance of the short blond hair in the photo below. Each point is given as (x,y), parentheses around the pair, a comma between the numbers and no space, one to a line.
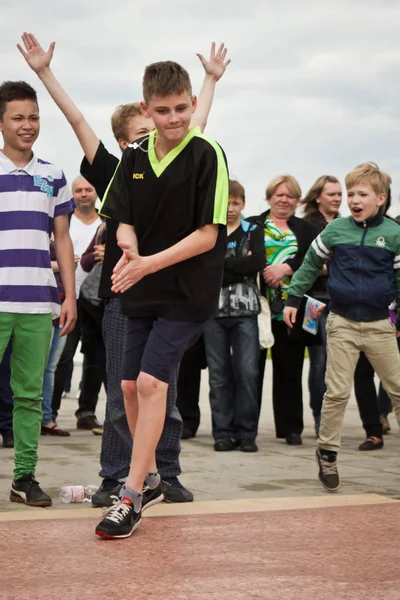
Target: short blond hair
(120,119)
(369,173)
(291,183)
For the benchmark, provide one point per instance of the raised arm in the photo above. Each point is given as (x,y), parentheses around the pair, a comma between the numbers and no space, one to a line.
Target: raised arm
(214,69)
(39,60)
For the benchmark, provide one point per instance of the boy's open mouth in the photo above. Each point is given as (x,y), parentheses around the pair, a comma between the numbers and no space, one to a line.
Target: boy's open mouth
(356,211)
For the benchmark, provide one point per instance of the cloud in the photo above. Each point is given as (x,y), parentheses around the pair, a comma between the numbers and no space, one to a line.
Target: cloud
(312,89)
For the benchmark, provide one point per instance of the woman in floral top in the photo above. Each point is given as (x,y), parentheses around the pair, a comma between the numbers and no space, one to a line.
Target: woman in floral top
(286,240)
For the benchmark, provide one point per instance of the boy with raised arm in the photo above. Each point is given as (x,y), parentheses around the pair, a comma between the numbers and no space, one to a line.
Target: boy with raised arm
(363,251)
(170,197)
(98,166)
(34,201)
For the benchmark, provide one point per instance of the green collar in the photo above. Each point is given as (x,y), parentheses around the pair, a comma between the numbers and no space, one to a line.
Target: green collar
(159,166)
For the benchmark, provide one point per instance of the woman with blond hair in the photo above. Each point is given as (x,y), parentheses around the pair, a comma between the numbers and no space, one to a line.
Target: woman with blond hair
(286,241)
(321,205)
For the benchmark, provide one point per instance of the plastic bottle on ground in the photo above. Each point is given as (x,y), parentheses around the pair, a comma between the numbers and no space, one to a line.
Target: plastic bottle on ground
(77,493)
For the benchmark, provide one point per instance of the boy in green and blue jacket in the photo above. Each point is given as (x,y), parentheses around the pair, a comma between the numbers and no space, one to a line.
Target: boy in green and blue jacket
(363,251)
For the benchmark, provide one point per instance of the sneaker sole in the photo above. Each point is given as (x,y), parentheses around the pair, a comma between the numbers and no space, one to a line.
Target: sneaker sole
(106,536)
(41,504)
(153,502)
(328,489)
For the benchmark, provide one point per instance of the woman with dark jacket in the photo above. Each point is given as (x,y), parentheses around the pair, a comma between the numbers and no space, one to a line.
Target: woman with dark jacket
(286,241)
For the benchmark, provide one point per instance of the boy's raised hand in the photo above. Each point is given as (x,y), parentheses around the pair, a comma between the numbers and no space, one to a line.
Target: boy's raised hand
(35,56)
(216,64)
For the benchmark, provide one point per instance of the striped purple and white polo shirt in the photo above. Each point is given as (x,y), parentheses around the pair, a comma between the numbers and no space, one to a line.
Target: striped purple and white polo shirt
(30,198)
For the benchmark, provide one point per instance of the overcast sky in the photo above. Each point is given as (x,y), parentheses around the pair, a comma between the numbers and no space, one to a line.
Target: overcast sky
(313,88)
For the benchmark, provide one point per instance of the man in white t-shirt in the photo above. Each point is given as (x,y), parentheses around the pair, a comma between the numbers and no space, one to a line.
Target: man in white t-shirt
(84,223)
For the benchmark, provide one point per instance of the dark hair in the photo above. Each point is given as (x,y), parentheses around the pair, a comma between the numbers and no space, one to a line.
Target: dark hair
(236,189)
(15,90)
(165,78)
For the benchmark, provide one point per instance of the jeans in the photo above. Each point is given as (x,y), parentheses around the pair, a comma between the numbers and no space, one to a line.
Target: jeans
(64,365)
(6,395)
(56,349)
(316,376)
(232,351)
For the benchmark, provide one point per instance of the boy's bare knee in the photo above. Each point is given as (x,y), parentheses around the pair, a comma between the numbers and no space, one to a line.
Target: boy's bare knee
(148,385)
(129,389)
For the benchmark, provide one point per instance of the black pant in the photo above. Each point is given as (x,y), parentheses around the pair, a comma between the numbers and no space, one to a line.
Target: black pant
(94,364)
(188,385)
(93,349)
(366,396)
(287,369)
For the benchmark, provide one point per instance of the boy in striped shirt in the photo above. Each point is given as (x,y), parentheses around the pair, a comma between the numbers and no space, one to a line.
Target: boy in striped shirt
(34,201)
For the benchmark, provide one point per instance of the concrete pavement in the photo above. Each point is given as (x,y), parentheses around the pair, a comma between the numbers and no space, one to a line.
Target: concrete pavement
(276,471)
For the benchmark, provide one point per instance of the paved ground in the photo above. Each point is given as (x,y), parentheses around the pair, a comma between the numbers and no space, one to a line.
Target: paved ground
(276,471)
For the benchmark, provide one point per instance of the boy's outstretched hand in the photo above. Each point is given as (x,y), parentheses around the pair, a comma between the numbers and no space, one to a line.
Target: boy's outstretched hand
(35,56)
(289,315)
(216,64)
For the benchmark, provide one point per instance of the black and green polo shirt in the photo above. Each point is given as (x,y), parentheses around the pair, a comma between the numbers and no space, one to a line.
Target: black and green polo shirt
(166,201)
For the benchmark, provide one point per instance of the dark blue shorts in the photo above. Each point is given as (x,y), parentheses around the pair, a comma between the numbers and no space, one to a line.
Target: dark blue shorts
(156,346)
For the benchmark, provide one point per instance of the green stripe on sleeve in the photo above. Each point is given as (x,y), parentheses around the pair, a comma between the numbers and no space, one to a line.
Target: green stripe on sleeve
(106,192)
(222,184)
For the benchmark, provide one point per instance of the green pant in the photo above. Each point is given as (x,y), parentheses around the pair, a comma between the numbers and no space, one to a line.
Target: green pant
(31,338)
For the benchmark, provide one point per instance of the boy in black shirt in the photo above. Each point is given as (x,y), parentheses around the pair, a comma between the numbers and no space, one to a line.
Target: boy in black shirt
(98,167)
(170,197)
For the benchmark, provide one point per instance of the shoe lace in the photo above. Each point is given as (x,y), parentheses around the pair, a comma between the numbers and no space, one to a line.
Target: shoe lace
(328,468)
(117,512)
(34,484)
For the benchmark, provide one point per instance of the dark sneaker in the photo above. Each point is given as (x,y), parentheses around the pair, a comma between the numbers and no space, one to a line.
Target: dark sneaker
(225,445)
(107,494)
(8,440)
(187,433)
(151,496)
(371,443)
(248,446)
(294,439)
(328,472)
(385,425)
(173,491)
(26,490)
(120,521)
(90,422)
